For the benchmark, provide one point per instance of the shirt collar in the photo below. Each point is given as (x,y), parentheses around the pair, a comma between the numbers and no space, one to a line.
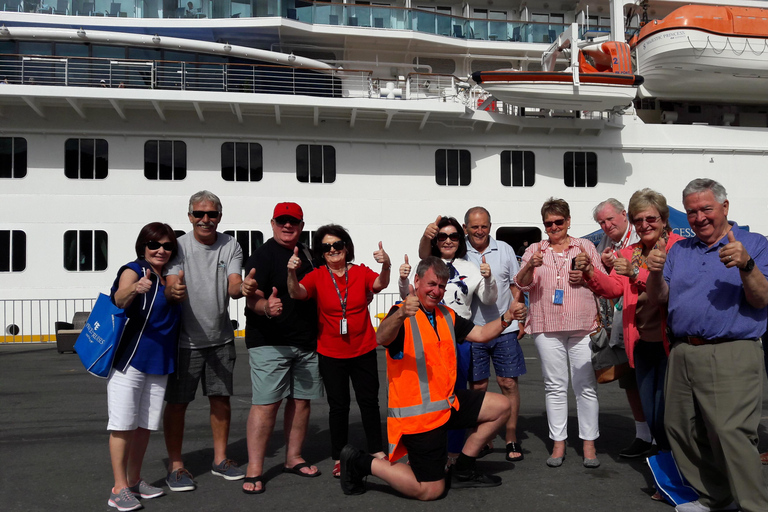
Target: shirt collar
(492,246)
(723,241)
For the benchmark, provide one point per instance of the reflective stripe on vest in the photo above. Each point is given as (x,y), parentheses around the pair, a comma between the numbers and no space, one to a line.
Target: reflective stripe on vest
(426,405)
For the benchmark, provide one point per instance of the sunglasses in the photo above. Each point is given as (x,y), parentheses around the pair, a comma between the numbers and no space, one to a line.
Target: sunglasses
(559,222)
(287,219)
(199,214)
(651,219)
(154,245)
(338,245)
(442,237)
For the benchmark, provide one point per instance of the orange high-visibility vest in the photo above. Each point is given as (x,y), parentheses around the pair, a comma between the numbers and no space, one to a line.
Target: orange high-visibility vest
(421,381)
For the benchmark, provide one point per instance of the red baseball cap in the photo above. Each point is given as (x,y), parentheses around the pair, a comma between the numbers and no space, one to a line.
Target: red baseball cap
(291,209)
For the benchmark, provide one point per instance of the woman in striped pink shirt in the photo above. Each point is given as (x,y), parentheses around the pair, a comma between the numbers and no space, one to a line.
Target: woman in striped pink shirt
(561,316)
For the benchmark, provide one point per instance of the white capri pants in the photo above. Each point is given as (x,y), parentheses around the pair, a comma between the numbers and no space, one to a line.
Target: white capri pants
(135,399)
(557,350)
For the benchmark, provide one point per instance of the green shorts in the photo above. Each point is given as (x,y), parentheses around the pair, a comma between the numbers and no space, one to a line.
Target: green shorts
(284,372)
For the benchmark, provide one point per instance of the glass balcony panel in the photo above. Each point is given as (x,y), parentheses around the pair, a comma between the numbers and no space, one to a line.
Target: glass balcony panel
(425,21)
(497,31)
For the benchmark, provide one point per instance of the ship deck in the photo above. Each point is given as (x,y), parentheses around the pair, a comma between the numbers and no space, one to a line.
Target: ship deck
(54,448)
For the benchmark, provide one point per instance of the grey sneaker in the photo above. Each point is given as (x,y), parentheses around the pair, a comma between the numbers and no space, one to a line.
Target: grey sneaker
(697,506)
(124,500)
(228,469)
(145,490)
(180,480)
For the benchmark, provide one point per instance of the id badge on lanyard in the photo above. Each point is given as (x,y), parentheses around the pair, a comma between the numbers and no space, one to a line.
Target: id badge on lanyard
(342,300)
(557,297)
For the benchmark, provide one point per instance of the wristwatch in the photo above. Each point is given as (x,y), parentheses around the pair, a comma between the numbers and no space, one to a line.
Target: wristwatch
(635,273)
(749,266)
(504,323)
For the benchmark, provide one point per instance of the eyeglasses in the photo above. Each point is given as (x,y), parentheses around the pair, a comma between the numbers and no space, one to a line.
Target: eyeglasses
(651,219)
(442,237)
(154,245)
(559,222)
(287,219)
(338,245)
(199,214)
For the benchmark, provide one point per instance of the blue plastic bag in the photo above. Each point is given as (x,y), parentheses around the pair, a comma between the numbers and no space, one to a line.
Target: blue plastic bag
(98,341)
(669,480)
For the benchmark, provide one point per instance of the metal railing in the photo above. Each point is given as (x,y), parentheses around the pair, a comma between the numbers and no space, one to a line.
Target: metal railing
(34,320)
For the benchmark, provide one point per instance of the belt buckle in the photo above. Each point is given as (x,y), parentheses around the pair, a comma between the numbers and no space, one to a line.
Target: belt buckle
(696,341)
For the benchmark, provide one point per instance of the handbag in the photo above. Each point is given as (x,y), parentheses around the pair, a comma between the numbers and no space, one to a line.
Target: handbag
(98,341)
(609,362)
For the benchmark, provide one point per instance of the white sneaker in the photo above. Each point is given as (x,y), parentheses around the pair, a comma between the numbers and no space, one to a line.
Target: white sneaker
(697,506)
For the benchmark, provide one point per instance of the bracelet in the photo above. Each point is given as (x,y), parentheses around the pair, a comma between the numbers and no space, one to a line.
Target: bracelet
(266,313)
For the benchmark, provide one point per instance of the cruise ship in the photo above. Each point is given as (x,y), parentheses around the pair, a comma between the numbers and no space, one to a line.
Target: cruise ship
(365,113)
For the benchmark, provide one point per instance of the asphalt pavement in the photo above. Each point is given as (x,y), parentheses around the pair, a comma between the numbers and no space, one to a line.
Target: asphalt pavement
(55,456)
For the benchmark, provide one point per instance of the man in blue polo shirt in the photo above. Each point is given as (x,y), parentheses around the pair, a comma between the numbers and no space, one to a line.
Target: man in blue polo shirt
(717,293)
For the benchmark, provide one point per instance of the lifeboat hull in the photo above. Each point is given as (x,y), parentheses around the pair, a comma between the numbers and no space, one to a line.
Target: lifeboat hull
(556,90)
(710,59)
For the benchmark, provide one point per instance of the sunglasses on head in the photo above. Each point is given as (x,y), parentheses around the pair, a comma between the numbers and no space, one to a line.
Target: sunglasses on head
(199,214)
(153,245)
(651,219)
(550,223)
(338,245)
(287,219)
(442,237)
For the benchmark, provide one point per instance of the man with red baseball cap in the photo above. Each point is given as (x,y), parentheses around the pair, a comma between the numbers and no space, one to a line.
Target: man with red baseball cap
(281,336)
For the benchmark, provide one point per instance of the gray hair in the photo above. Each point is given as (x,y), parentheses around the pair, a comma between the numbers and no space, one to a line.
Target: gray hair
(205,195)
(476,209)
(436,264)
(700,185)
(610,201)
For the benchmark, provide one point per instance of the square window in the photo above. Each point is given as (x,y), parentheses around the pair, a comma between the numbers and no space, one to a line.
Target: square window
(165,160)
(518,168)
(86,250)
(453,167)
(13,251)
(580,169)
(315,163)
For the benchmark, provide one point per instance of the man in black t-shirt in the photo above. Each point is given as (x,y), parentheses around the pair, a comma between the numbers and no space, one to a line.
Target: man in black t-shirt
(281,336)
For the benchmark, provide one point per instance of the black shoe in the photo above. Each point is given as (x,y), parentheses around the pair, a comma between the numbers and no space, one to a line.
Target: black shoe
(637,449)
(351,480)
(473,478)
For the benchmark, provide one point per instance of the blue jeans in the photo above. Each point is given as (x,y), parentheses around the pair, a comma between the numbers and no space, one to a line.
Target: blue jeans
(651,370)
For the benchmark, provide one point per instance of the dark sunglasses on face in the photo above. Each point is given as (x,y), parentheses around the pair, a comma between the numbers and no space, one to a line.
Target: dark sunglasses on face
(199,214)
(550,223)
(286,219)
(651,219)
(442,237)
(338,245)
(153,246)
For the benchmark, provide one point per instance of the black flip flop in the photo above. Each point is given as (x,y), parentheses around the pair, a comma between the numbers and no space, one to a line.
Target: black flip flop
(487,450)
(253,480)
(297,470)
(515,448)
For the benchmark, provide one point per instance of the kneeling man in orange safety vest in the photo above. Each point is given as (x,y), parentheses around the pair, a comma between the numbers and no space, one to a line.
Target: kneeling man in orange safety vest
(421,336)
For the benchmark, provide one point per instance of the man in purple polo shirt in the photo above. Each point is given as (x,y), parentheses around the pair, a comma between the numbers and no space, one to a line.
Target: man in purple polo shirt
(717,293)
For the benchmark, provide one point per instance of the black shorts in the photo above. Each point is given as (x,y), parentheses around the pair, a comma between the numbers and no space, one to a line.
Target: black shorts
(428,451)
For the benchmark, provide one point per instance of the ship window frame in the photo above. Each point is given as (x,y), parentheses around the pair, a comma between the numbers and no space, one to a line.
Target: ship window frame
(518,168)
(13,250)
(453,167)
(80,165)
(13,157)
(253,237)
(164,166)
(580,174)
(315,163)
(91,250)
(242,161)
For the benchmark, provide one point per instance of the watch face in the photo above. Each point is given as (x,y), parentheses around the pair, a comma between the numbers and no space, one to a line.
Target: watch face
(749,266)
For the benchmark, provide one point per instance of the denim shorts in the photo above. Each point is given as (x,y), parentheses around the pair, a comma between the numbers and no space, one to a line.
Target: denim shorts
(279,372)
(506,354)
(214,365)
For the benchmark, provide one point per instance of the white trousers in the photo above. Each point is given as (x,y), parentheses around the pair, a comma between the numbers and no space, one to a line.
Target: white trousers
(135,399)
(558,351)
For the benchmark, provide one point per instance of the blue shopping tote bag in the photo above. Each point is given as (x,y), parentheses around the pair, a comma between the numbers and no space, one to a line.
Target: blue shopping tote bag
(98,341)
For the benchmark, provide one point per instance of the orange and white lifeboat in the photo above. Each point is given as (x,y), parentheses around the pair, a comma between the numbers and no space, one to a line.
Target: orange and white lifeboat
(706,53)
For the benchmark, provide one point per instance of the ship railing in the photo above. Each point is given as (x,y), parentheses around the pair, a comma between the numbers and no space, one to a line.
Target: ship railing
(447,88)
(34,320)
(196,76)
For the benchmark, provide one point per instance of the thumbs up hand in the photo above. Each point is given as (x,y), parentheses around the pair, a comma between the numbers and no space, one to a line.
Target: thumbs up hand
(432,229)
(294,262)
(733,254)
(274,304)
(382,257)
(623,266)
(179,289)
(144,284)
(656,260)
(411,302)
(405,269)
(485,269)
(581,261)
(249,286)
(537,259)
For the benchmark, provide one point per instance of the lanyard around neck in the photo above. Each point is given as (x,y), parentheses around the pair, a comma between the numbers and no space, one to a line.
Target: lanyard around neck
(342,301)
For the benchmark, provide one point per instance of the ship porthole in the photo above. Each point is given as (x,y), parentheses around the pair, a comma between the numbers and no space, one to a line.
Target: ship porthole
(12,329)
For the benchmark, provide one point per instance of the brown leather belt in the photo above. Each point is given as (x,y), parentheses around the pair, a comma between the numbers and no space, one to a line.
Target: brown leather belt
(696,341)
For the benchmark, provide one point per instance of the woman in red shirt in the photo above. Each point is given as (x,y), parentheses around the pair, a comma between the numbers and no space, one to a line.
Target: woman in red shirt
(346,341)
